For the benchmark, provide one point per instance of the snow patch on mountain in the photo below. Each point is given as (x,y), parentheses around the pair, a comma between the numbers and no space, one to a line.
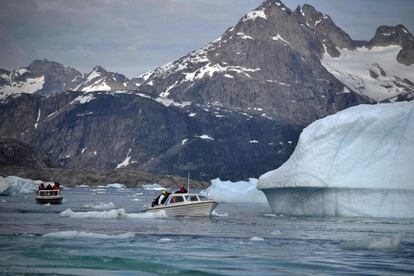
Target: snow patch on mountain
(126,162)
(253,15)
(278,37)
(374,72)
(84,99)
(29,86)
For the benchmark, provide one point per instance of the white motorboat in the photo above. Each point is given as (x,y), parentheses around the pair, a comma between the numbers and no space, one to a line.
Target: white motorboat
(187,204)
(49,196)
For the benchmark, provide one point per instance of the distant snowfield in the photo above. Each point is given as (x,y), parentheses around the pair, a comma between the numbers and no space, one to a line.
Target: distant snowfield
(30,86)
(353,67)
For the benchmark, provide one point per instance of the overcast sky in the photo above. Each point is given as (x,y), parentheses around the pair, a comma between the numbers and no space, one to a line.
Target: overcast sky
(134,36)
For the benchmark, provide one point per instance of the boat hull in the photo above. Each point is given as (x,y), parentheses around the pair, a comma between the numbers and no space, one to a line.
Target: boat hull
(198,209)
(49,199)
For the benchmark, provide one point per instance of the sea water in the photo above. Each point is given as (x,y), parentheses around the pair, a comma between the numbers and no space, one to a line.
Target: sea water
(99,231)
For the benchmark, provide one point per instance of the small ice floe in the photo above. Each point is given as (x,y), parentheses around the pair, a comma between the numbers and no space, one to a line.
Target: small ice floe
(136,199)
(116,186)
(214,213)
(88,235)
(100,205)
(276,233)
(256,239)
(83,186)
(111,214)
(164,240)
(153,187)
(386,243)
(235,192)
(270,215)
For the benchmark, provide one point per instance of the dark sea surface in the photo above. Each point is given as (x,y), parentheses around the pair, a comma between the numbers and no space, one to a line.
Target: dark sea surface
(240,239)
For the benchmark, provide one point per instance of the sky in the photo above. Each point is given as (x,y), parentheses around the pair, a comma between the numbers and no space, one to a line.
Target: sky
(134,36)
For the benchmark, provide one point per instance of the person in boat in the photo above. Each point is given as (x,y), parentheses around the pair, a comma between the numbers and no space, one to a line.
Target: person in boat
(159,200)
(56,186)
(182,190)
(49,187)
(41,187)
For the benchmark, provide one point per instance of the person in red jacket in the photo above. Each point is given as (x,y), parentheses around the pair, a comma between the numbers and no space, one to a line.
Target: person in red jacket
(56,186)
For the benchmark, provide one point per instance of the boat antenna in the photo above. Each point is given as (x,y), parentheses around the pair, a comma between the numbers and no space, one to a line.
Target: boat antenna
(188,182)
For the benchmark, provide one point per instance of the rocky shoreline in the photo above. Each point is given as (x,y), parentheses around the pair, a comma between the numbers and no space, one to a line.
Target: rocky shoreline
(94,177)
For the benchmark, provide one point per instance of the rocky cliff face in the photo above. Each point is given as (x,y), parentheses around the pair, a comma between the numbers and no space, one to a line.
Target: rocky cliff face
(128,130)
(15,153)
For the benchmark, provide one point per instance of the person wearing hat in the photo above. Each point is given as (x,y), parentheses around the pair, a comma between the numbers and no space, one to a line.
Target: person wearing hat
(163,197)
(160,199)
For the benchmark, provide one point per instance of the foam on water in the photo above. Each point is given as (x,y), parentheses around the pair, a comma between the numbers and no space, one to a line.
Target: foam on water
(214,213)
(88,235)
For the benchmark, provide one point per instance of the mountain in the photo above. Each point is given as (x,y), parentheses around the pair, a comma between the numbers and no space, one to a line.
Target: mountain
(101,80)
(45,77)
(41,76)
(107,130)
(293,65)
(233,109)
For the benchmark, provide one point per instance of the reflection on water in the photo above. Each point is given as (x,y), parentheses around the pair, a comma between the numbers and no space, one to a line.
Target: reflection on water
(237,240)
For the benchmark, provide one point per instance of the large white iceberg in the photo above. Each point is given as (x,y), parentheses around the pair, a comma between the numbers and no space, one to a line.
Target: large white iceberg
(235,192)
(358,162)
(13,185)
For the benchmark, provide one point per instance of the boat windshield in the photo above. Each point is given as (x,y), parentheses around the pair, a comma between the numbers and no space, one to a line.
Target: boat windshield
(176,199)
(203,198)
(191,198)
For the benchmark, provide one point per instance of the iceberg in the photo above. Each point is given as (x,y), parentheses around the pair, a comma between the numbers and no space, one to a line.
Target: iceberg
(235,192)
(14,185)
(358,162)
(115,185)
(153,187)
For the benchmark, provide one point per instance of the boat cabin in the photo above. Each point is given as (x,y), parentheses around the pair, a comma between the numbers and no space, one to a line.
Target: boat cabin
(184,198)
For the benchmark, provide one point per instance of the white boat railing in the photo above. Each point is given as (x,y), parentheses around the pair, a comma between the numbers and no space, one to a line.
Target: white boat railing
(48,192)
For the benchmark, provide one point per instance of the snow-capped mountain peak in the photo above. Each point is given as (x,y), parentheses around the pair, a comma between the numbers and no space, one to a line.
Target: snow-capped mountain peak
(100,79)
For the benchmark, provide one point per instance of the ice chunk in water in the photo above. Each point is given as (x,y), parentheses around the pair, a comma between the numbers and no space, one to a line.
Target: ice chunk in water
(88,235)
(235,192)
(100,205)
(153,187)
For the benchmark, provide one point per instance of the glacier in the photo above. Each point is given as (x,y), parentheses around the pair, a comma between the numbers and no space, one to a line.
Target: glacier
(235,192)
(357,162)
